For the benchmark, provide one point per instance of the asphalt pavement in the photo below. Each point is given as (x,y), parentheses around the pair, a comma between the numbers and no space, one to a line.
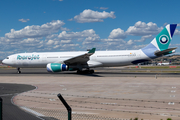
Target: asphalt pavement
(99,72)
(11,111)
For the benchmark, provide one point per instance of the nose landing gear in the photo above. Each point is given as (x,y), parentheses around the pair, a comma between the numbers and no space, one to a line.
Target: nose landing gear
(18,70)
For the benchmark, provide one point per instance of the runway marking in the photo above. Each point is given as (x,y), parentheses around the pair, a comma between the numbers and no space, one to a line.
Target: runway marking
(32,111)
(164,114)
(52,99)
(172,95)
(171,103)
(83,113)
(109,103)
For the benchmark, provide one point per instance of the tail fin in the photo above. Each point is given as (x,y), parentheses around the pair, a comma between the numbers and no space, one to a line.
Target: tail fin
(161,41)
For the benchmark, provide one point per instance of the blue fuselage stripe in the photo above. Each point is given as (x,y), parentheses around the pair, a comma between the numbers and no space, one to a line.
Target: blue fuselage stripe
(149,50)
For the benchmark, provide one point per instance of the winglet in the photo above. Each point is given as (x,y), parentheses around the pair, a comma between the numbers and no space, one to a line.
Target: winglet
(92,50)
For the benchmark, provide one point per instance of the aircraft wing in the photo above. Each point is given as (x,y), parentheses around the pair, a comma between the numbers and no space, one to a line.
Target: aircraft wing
(164,52)
(81,58)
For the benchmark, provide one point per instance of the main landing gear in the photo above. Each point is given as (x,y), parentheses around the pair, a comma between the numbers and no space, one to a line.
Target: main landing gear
(85,71)
(18,70)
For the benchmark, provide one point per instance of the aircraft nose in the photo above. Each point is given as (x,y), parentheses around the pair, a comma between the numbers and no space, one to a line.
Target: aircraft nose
(4,62)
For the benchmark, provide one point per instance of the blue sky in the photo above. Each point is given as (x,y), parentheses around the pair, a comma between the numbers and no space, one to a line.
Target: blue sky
(75,25)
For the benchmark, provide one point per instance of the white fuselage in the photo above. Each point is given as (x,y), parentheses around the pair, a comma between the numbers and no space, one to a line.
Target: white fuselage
(98,59)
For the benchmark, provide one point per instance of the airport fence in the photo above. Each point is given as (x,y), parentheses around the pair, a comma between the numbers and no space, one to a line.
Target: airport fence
(1,108)
(61,114)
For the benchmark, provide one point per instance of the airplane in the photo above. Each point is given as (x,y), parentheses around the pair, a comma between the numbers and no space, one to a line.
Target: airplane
(162,63)
(84,61)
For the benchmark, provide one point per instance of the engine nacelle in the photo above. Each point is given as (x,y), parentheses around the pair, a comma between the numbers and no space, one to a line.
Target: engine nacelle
(56,67)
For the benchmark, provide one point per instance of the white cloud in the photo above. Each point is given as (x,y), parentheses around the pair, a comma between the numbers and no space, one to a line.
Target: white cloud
(24,20)
(65,41)
(77,35)
(70,19)
(43,38)
(30,43)
(136,47)
(117,34)
(66,47)
(51,36)
(50,42)
(91,41)
(93,16)
(143,38)
(141,29)
(36,31)
(113,44)
(88,38)
(68,40)
(94,39)
(130,42)
(177,32)
(70,45)
(103,8)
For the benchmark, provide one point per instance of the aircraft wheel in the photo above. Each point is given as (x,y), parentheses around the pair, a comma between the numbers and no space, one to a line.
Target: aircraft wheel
(91,71)
(79,71)
(18,70)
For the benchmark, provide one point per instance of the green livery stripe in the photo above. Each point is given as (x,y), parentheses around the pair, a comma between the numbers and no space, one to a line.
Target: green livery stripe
(163,39)
(56,67)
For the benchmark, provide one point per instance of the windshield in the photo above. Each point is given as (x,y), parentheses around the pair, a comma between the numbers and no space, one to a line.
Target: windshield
(7,58)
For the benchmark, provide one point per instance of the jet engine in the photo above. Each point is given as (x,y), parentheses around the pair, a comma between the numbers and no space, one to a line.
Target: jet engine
(56,67)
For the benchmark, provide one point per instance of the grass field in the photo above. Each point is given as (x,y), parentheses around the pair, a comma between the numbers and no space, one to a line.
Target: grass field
(158,67)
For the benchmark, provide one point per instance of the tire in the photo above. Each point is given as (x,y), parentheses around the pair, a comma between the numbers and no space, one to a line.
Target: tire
(91,71)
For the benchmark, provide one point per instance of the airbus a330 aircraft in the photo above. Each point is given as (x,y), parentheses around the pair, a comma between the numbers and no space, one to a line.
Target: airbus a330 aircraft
(84,61)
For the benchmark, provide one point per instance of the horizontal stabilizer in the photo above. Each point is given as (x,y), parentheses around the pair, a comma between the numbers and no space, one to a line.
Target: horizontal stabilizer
(164,52)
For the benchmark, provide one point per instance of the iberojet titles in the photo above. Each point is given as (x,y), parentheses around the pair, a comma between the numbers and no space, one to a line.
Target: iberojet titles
(28,57)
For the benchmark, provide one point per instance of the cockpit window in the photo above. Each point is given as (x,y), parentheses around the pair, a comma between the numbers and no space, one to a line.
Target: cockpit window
(7,58)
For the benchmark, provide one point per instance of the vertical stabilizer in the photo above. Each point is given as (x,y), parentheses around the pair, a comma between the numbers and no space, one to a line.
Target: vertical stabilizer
(161,41)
